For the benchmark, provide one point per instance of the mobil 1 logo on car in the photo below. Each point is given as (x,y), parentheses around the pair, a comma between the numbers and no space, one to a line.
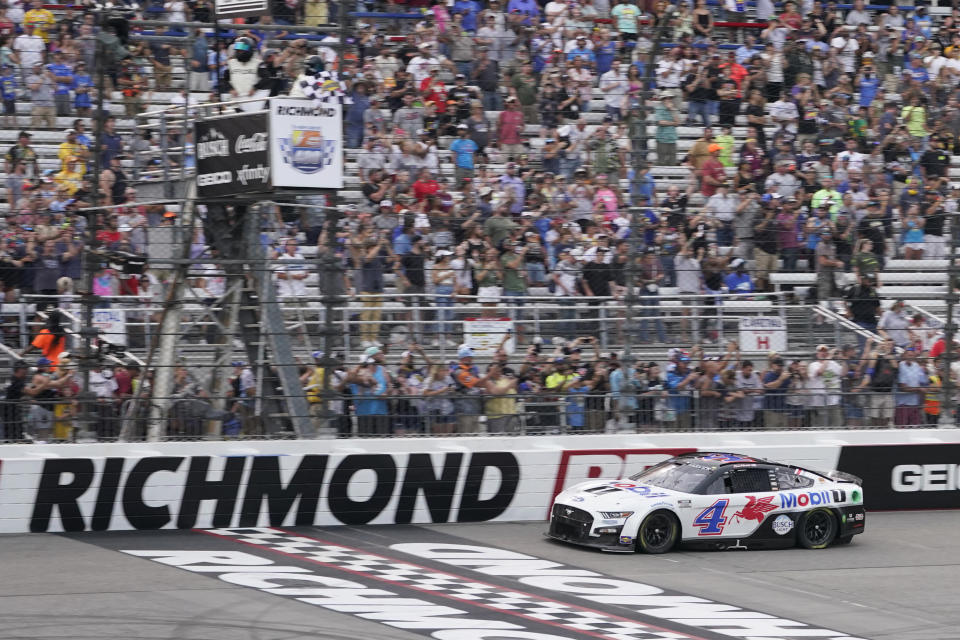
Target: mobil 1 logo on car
(906,476)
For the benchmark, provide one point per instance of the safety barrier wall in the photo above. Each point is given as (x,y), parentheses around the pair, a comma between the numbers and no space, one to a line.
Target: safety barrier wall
(102,486)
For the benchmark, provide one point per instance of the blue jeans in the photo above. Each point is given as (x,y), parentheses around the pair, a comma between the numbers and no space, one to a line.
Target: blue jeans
(725,234)
(669,270)
(869,326)
(444,306)
(464,67)
(536,273)
(652,304)
(569,165)
(695,108)
(491,100)
(789,256)
(354,135)
(515,314)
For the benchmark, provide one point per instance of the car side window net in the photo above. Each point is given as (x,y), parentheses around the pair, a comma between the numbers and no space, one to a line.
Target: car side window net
(749,480)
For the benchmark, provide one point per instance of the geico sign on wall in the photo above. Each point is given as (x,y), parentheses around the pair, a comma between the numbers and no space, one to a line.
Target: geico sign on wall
(913,476)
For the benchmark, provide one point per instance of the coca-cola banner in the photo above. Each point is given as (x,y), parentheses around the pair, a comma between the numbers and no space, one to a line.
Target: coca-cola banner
(233,155)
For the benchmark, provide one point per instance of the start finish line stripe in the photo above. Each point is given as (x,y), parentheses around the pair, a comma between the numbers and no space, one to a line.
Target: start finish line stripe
(582,620)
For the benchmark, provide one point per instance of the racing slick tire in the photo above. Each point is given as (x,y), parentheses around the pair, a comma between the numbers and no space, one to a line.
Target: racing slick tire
(658,533)
(816,529)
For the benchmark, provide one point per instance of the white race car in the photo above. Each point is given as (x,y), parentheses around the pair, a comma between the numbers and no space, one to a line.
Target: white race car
(711,500)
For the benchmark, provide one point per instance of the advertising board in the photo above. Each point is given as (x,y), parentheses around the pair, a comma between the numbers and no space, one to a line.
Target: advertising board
(233,155)
(306,145)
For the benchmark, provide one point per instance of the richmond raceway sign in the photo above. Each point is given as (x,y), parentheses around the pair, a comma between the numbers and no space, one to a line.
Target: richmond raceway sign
(164,492)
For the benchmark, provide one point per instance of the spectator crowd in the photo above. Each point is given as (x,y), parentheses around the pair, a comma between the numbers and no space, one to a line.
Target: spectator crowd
(508,152)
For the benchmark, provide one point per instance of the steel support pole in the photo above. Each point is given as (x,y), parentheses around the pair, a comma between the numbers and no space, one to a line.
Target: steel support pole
(162,388)
(271,318)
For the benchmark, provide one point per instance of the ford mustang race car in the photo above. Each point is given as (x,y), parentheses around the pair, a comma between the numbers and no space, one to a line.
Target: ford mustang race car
(711,500)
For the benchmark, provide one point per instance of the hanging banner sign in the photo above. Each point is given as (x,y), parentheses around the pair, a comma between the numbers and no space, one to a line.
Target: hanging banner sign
(306,144)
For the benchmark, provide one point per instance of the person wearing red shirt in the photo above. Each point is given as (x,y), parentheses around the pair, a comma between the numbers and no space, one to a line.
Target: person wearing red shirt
(712,172)
(737,71)
(510,128)
(425,186)
(433,90)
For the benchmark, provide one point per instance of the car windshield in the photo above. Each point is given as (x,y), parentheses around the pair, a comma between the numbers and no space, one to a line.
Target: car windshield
(676,476)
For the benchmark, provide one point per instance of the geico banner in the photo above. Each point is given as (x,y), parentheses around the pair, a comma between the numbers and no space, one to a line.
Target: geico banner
(233,155)
(306,146)
(910,476)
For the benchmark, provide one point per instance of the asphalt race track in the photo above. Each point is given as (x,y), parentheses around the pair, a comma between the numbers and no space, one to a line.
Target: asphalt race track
(473,581)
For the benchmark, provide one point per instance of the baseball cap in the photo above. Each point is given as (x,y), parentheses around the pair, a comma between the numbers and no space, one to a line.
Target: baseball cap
(386,203)
(714,147)
(464,351)
(371,351)
(44,362)
(822,347)
(737,262)
(316,354)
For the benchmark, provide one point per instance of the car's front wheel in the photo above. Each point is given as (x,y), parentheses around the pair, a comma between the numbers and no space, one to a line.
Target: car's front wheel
(817,529)
(658,532)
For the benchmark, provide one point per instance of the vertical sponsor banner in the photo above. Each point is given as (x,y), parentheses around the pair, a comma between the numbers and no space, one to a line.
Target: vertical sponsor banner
(762,334)
(906,476)
(306,143)
(112,324)
(233,155)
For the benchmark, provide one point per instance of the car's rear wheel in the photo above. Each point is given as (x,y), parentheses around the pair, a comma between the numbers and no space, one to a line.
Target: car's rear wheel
(658,532)
(817,529)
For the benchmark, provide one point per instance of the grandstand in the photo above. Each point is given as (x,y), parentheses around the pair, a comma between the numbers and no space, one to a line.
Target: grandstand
(645,310)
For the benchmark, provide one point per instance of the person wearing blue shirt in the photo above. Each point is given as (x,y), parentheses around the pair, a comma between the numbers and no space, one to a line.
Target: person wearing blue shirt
(680,380)
(528,8)
(82,89)
(199,63)
(8,90)
(652,221)
(869,82)
(746,51)
(463,149)
(604,53)
(469,9)
(623,393)
(63,76)
(581,50)
(916,70)
(643,185)
(911,380)
(739,281)
(368,384)
(576,404)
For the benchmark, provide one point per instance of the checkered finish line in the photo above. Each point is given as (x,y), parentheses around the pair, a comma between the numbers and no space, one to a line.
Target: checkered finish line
(450,586)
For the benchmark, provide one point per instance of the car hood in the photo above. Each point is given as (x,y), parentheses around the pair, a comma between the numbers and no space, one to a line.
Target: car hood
(613,495)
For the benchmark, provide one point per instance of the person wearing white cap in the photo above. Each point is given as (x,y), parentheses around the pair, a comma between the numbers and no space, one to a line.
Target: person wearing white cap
(739,280)
(368,384)
(468,383)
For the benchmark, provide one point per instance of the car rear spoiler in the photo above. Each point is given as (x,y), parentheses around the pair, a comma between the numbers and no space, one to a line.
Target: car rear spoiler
(841,476)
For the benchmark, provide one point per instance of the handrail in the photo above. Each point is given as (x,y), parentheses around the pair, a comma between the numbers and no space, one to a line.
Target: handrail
(846,323)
